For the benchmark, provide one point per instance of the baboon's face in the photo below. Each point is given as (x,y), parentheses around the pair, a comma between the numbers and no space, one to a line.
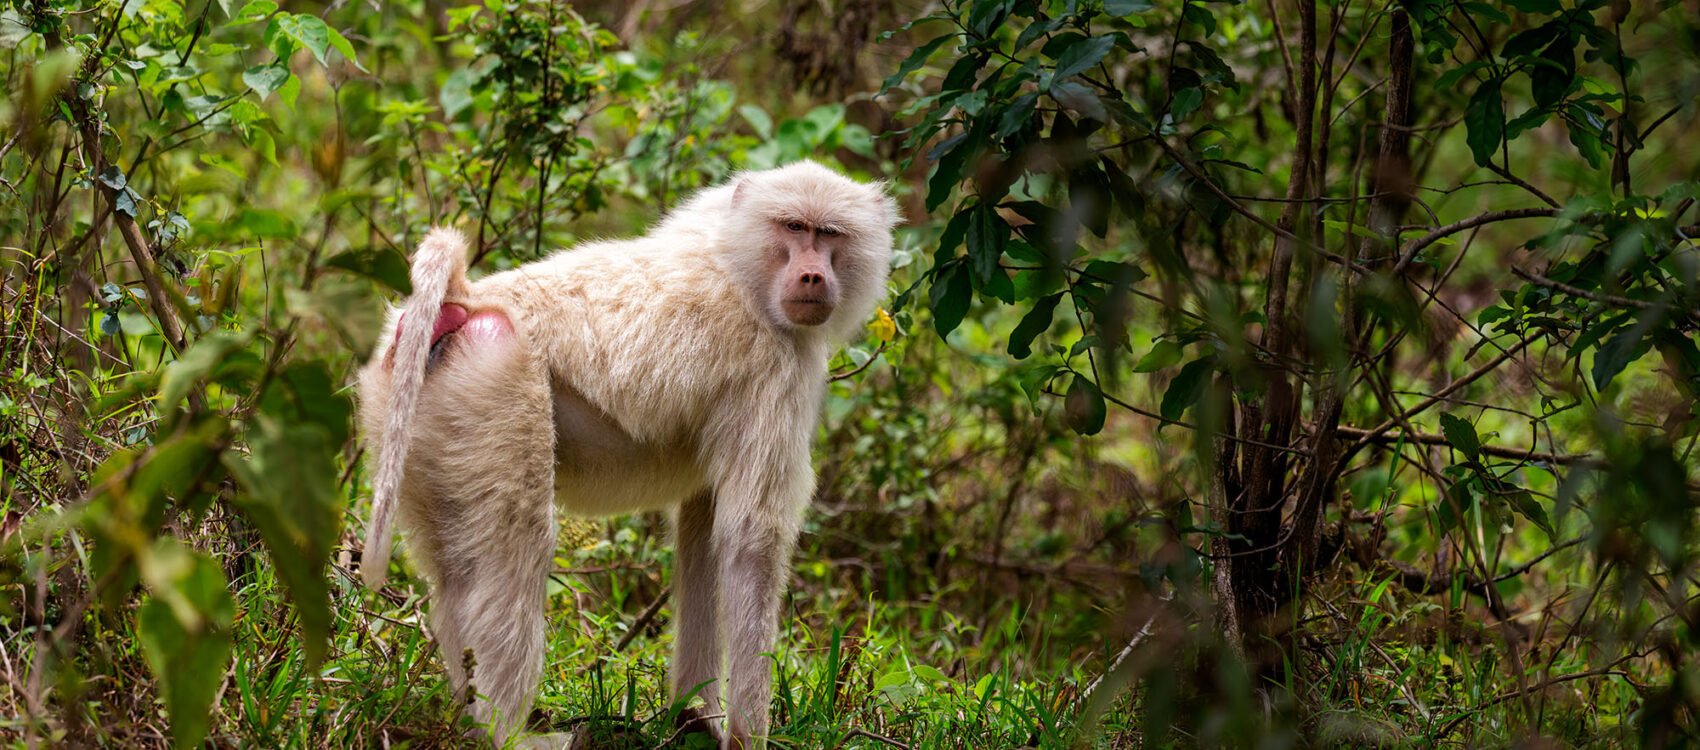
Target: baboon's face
(804,279)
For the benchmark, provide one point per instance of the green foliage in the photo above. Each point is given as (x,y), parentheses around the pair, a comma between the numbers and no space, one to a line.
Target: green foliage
(1239,256)
(1442,405)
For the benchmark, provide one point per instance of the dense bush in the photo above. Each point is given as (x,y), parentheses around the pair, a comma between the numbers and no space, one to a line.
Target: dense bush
(1253,374)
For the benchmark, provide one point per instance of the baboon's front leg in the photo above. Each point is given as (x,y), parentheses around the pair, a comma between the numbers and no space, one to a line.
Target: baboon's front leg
(755,556)
(697,648)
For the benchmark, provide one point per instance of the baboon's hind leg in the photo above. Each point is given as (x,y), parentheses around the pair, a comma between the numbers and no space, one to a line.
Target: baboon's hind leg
(490,433)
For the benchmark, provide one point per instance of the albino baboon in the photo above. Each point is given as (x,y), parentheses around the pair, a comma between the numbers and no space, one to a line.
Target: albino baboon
(682,369)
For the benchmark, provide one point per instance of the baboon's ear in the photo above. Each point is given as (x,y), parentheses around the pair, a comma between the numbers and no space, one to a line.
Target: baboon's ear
(738,192)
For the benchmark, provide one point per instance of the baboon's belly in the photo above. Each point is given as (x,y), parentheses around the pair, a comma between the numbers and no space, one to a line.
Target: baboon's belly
(600,470)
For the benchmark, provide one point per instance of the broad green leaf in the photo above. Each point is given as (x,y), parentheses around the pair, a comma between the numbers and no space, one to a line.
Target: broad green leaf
(456,94)
(1527,506)
(914,61)
(1163,354)
(261,141)
(947,172)
(308,30)
(1083,407)
(1080,99)
(1617,352)
(1485,12)
(289,479)
(1449,517)
(113,177)
(1585,138)
(291,88)
(950,294)
(381,264)
(1451,77)
(951,237)
(1198,14)
(184,629)
(1082,55)
(1015,116)
(1484,121)
(1187,387)
(1550,79)
(198,362)
(266,79)
(1536,6)
(1526,42)
(1187,101)
(1461,435)
(1034,381)
(340,44)
(759,120)
(266,223)
(124,202)
(1127,7)
(987,234)
(1035,322)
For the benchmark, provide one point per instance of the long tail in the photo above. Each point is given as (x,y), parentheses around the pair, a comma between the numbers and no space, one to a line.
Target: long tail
(438,273)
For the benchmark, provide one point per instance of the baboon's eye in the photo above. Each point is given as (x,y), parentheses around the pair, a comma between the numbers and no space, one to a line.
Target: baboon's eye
(828,231)
(795,226)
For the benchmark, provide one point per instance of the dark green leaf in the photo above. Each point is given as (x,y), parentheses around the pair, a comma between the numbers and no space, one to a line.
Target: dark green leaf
(114,178)
(1550,79)
(987,234)
(951,237)
(1083,407)
(1163,354)
(1187,387)
(1082,55)
(1626,346)
(1485,12)
(914,61)
(1034,381)
(289,479)
(1584,138)
(1080,99)
(1484,120)
(1035,322)
(1536,6)
(1527,506)
(1127,7)
(124,202)
(1016,115)
(1198,14)
(950,294)
(184,629)
(1526,42)
(1451,77)
(1458,494)
(381,264)
(946,173)
(1186,102)
(1461,435)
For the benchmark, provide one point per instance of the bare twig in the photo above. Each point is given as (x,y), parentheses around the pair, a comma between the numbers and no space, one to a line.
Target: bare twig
(1609,299)
(643,620)
(852,373)
(1440,233)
